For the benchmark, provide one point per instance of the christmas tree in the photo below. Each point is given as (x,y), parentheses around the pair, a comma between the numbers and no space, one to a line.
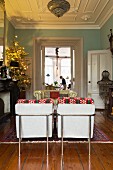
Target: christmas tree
(18,65)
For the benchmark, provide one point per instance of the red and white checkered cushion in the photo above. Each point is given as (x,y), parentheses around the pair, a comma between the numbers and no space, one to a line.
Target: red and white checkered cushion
(75,100)
(30,101)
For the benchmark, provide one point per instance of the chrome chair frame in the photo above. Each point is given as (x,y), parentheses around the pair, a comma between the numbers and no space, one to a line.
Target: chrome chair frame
(89,139)
(20,138)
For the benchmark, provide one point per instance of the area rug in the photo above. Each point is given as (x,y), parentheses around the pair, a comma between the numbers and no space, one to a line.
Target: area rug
(10,137)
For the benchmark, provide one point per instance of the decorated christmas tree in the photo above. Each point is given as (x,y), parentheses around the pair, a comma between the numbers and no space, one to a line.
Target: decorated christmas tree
(18,65)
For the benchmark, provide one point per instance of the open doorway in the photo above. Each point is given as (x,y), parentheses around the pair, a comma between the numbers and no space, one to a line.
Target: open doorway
(57,63)
(76,44)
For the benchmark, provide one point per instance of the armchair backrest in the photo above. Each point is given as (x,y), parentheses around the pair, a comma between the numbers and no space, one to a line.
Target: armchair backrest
(34,126)
(75,126)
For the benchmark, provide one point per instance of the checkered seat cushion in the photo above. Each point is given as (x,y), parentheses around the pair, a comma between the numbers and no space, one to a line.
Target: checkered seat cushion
(30,101)
(75,100)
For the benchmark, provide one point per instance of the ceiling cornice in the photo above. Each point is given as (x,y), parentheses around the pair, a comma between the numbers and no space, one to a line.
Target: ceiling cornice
(83,14)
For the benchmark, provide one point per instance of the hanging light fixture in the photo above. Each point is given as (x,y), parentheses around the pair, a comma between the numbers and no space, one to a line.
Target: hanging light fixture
(58,7)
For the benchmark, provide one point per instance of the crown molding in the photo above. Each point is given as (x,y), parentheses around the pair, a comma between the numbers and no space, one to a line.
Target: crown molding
(106,17)
(58,27)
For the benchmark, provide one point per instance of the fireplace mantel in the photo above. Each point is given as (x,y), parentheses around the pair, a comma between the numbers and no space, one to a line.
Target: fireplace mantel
(9,93)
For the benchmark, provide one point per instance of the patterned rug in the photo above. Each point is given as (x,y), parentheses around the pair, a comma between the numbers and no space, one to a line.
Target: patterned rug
(10,136)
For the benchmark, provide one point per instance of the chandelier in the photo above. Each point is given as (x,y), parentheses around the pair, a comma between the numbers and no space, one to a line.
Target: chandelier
(58,7)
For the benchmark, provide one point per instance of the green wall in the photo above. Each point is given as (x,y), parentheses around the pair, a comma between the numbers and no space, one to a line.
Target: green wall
(10,32)
(1,32)
(105,31)
(91,38)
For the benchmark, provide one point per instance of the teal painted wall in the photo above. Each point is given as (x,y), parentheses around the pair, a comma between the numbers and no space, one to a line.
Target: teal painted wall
(10,32)
(1,32)
(91,38)
(104,32)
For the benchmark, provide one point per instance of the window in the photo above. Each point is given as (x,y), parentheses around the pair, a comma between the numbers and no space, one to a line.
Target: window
(49,71)
(1,52)
(65,69)
(57,65)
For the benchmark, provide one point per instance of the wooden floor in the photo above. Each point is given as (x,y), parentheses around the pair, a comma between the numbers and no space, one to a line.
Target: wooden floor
(75,157)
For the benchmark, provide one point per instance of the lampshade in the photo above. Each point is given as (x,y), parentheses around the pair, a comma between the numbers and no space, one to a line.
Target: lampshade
(48,75)
(58,7)
(14,64)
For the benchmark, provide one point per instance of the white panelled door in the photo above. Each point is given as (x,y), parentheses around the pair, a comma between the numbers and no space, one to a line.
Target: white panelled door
(98,61)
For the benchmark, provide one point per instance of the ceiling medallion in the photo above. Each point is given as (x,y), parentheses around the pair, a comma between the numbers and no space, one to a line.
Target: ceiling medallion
(58,7)
(85,17)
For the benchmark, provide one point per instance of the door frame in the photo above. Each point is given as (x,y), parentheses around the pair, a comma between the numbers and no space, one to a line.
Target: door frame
(100,104)
(38,62)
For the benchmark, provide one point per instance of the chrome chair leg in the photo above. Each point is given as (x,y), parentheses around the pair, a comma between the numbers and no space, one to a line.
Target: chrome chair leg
(62,132)
(19,135)
(47,132)
(89,135)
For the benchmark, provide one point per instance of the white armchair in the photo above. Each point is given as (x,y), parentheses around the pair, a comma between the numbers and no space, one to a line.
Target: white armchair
(75,126)
(33,126)
(76,121)
(33,121)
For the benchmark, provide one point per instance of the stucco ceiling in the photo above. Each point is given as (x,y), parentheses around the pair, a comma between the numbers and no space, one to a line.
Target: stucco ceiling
(35,14)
